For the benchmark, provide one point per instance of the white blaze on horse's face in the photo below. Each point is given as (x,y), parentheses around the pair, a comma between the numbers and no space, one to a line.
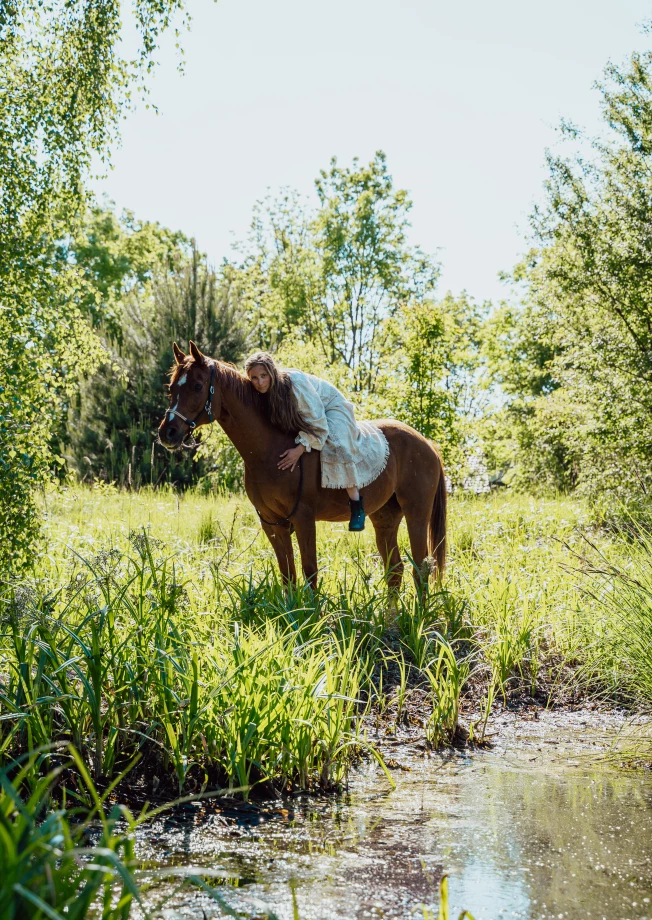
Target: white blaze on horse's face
(180,383)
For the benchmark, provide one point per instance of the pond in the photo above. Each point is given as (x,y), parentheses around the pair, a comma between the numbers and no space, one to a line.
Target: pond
(534,827)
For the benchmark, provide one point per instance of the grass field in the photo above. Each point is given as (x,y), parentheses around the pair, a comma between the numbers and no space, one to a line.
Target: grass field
(155,624)
(153,639)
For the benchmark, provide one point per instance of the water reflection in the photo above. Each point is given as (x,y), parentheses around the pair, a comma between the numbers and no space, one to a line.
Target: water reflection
(532,829)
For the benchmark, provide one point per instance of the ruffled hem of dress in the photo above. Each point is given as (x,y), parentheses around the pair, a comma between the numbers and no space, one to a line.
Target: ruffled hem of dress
(369,479)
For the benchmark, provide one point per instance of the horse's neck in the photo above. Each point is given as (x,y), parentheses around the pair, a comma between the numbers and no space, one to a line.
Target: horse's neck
(250,432)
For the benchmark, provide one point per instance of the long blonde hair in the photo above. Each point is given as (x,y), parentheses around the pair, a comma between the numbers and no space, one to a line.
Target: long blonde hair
(281,401)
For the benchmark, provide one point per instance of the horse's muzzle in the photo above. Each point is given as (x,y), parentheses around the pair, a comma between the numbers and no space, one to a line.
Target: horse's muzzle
(170,436)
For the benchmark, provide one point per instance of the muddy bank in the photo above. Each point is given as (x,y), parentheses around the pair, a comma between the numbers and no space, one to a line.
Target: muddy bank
(533,827)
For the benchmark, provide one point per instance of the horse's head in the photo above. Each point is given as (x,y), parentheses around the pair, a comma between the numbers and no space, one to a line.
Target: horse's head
(192,399)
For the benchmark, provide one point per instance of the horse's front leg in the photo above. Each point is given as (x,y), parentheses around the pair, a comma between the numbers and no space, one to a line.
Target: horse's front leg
(304,525)
(281,540)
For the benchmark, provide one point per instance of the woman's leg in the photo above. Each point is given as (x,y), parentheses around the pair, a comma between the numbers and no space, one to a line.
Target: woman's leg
(345,434)
(357,509)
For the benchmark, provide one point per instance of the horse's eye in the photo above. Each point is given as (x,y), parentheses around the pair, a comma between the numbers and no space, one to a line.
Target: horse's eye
(199,387)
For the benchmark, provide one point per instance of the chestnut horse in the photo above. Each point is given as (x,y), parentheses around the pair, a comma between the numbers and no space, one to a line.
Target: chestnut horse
(411,485)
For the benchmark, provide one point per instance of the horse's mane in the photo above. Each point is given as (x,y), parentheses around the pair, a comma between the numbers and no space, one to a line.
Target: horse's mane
(227,376)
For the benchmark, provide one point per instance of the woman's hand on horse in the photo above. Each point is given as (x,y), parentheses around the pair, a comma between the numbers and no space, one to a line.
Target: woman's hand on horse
(290,458)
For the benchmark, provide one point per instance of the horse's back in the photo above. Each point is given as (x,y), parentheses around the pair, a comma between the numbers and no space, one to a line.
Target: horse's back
(413,461)
(404,440)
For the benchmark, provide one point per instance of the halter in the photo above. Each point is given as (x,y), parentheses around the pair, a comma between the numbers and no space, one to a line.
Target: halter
(192,423)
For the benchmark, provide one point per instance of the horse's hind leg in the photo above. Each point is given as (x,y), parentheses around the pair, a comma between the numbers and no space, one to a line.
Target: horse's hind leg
(281,541)
(417,518)
(387,521)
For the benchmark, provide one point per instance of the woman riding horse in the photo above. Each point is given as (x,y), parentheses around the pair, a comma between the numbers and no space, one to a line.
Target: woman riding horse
(351,457)
(400,470)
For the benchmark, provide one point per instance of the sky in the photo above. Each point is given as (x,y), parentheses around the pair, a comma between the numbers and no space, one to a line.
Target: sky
(464,98)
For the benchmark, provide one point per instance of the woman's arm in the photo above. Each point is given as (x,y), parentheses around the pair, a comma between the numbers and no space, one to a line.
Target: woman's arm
(311,409)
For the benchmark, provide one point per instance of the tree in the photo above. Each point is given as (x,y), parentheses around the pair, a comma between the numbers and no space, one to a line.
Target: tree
(63,85)
(159,288)
(335,275)
(368,270)
(589,296)
(430,377)
(339,289)
(532,430)
(116,257)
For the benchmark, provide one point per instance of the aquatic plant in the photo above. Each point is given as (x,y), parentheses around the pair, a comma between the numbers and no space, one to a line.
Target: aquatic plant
(447,675)
(444,909)
(122,661)
(49,867)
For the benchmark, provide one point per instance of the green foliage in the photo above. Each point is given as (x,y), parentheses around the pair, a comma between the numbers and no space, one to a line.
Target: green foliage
(576,360)
(429,381)
(367,267)
(338,289)
(447,675)
(62,90)
(117,257)
(122,658)
(151,288)
(48,867)
(190,651)
(334,276)
(618,642)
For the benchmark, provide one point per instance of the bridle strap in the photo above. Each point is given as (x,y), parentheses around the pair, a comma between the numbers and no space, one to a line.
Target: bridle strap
(208,405)
(286,520)
(208,409)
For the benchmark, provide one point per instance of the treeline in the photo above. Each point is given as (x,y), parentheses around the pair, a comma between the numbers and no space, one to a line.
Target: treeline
(149,287)
(573,354)
(335,288)
(551,387)
(63,90)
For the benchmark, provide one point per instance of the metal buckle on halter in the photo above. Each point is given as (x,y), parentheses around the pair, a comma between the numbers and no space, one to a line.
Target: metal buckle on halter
(211,392)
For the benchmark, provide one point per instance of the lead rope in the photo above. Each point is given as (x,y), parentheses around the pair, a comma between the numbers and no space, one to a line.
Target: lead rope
(286,520)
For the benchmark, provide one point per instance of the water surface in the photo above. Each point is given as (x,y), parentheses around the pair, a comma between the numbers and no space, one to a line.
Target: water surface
(534,828)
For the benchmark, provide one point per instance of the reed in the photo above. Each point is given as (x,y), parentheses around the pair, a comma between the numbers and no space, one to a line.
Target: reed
(122,662)
(48,866)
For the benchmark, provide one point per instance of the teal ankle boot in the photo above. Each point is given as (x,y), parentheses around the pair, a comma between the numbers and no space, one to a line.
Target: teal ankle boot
(357,514)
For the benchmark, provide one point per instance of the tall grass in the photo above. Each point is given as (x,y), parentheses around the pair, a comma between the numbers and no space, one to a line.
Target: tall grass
(155,624)
(618,640)
(47,864)
(121,660)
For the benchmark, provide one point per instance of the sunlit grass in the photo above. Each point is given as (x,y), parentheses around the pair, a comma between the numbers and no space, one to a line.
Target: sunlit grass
(156,623)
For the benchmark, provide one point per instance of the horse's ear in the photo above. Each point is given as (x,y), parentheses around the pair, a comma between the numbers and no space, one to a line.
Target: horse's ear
(196,353)
(178,354)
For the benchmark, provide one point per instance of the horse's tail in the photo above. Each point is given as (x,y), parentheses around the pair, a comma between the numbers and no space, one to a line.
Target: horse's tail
(437,527)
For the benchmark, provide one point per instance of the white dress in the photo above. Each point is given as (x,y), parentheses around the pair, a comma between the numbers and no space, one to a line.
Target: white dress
(353,454)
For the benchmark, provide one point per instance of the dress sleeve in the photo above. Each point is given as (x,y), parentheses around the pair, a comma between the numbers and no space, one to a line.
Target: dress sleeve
(311,409)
